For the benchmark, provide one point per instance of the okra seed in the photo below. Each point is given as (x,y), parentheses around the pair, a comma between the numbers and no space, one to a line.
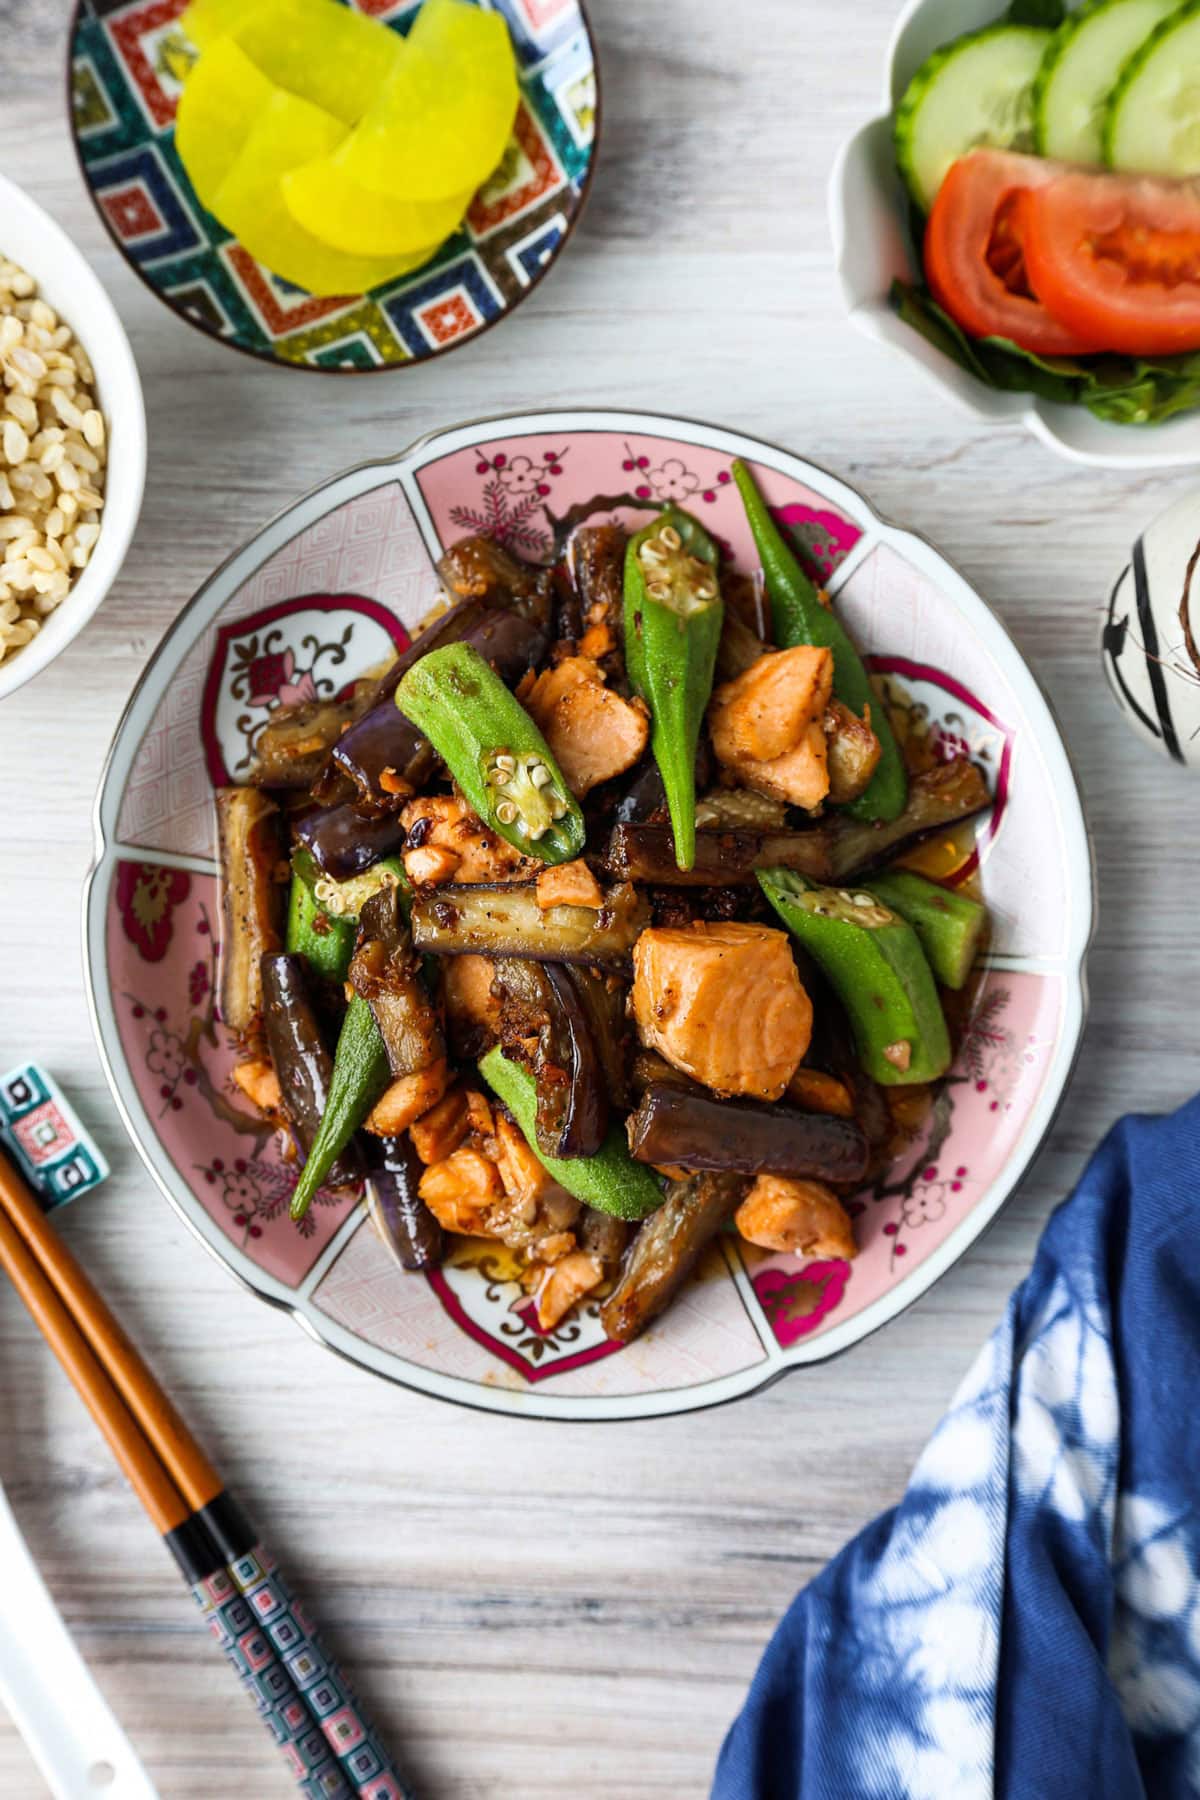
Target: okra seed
(506,812)
(650,552)
(658,590)
(671,538)
(501,777)
(558,809)
(506,762)
(706,590)
(863,900)
(540,775)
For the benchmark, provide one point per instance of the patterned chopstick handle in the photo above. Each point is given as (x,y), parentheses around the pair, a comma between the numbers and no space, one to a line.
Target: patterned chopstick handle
(305,1700)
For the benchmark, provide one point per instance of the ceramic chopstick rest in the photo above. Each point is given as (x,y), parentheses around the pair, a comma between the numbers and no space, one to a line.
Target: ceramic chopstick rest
(1151,638)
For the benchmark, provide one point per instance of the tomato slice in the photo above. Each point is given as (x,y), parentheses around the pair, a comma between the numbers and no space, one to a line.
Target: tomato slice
(1117,259)
(975,254)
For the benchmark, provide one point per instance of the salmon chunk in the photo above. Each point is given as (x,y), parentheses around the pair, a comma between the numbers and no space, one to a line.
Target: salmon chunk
(768,728)
(592,732)
(522,1176)
(563,1283)
(462,1192)
(407,1099)
(569,884)
(467,992)
(723,1003)
(803,1217)
(259,1082)
(450,842)
(438,1133)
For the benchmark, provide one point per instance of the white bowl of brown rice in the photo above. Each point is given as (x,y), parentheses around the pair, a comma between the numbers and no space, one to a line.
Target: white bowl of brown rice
(72,440)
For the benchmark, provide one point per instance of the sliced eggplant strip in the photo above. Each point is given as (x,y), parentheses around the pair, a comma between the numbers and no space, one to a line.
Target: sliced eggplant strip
(302,1063)
(676,1129)
(540,1007)
(603,1236)
(385,972)
(667,1248)
(478,568)
(345,841)
(253,902)
(723,858)
(506,920)
(399,1214)
(936,800)
(383,753)
(603,998)
(295,741)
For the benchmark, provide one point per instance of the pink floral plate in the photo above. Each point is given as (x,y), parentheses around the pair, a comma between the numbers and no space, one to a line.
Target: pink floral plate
(323,594)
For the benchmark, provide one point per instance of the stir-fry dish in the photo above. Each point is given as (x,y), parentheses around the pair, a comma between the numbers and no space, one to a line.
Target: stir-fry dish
(577,927)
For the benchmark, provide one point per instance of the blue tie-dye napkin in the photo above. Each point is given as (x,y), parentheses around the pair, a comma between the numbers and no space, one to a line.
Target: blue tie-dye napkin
(1026,1623)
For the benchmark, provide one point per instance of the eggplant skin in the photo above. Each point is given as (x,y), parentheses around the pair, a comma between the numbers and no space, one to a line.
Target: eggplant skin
(694,1130)
(668,1247)
(386,974)
(504,919)
(344,842)
(300,1057)
(723,858)
(252,852)
(400,1215)
(296,740)
(939,798)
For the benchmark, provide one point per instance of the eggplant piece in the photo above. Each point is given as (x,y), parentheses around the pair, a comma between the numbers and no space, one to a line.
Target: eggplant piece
(399,1214)
(302,1063)
(603,998)
(673,1128)
(386,974)
(539,1002)
(478,568)
(667,1248)
(504,919)
(740,647)
(940,798)
(253,862)
(296,740)
(645,798)
(344,841)
(723,858)
(383,741)
(603,1236)
(745,596)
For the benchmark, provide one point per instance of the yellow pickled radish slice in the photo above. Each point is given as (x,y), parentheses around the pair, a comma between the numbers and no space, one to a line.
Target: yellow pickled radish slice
(204,21)
(221,99)
(334,207)
(323,52)
(441,121)
(287,133)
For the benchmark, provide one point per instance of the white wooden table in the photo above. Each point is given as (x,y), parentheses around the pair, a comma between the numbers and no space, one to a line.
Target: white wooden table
(527,1608)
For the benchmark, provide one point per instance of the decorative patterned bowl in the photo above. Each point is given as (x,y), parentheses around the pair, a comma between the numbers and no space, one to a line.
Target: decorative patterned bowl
(320,596)
(126,62)
(868,212)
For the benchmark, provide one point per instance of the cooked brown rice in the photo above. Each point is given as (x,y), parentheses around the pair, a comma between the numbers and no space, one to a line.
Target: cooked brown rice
(53,448)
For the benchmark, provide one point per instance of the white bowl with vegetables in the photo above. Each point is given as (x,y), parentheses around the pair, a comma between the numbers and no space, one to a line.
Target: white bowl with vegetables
(1023,221)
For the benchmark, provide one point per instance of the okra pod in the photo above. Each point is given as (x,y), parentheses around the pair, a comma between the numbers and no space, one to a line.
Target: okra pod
(876,966)
(494,751)
(360,1074)
(948,925)
(323,939)
(673,617)
(610,1181)
(800,617)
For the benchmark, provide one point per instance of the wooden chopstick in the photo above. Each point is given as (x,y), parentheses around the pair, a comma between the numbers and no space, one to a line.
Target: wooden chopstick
(141,1466)
(161,1426)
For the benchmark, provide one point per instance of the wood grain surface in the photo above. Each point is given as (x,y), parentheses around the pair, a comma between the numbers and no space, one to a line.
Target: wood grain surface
(528,1608)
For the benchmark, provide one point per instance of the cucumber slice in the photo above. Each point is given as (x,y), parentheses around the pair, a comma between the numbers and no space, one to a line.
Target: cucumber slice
(1152,123)
(978,90)
(1080,69)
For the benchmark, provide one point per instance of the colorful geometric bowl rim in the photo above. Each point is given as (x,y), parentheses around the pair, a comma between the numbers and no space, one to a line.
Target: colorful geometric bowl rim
(325,498)
(437,350)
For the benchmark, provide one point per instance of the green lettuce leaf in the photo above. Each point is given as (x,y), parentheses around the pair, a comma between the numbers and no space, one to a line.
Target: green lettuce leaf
(1125,390)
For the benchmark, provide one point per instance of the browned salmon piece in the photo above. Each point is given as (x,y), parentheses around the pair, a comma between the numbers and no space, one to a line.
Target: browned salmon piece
(522,1176)
(407,1099)
(597,641)
(260,1084)
(463,1192)
(723,1003)
(439,1132)
(803,1217)
(853,751)
(480,1117)
(767,725)
(564,1283)
(569,884)
(592,732)
(431,865)
(445,822)
(817,1092)
(467,992)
